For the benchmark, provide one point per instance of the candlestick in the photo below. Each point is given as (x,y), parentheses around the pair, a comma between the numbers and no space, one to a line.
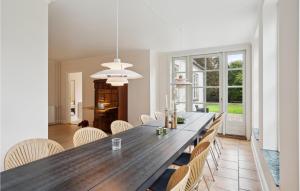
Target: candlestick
(166,118)
(175,119)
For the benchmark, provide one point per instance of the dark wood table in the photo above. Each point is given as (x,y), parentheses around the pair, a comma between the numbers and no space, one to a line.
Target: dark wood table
(143,158)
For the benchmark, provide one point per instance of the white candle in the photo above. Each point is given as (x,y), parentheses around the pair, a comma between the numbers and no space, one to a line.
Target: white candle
(166,106)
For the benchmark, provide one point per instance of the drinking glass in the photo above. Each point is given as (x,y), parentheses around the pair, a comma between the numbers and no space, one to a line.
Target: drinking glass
(116,144)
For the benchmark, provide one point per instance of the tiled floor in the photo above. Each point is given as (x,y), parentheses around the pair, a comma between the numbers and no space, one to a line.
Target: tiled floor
(237,171)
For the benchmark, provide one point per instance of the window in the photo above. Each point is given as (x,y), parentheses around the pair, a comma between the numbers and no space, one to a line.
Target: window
(205,86)
(180,69)
(235,62)
(214,77)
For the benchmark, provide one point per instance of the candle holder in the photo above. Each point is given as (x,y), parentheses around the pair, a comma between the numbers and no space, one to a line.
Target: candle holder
(174,119)
(166,118)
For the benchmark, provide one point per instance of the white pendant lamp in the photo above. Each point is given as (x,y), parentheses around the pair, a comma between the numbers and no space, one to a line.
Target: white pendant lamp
(117,74)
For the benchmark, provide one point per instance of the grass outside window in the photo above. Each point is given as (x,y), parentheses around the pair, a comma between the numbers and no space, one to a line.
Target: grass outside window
(234,108)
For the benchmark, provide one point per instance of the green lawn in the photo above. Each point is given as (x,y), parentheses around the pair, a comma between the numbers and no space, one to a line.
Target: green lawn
(235,108)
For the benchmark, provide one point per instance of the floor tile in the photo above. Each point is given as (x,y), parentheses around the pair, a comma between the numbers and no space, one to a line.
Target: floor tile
(246,158)
(233,158)
(248,184)
(227,173)
(225,184)
(228,164)
(249,174)
(247,165)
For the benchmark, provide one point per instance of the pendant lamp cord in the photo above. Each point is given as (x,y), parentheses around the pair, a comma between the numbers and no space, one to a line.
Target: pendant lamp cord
(117,49)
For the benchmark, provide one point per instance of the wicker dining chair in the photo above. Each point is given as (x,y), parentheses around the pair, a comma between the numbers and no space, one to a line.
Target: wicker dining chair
(146,118)
(216,126)
(219,120)
(179,179)
(86,135)
(119,126)
(159,116)
(172,180)
(30,150)
(196,165)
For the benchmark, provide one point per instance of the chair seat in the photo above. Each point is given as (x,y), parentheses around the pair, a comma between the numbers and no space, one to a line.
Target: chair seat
(183,159)
(162,182)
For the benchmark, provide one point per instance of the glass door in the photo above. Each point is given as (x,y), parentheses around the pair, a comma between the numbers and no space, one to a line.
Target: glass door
(234,92)
(206,87)
(218,85)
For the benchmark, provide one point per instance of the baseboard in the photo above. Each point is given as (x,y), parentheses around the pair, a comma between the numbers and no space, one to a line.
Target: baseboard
(261,175)
(51,124)
(240,137)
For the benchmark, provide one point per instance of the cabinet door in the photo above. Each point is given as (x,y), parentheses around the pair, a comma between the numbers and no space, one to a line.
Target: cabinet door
(123,103)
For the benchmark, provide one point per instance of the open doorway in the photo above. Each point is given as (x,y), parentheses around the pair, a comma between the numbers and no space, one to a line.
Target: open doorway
(74,97)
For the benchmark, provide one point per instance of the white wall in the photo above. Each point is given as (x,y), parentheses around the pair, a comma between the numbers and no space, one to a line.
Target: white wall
(24,73)
(289,94)
(269,80)
(154,81)
(138,90)
(164,80)
(255,80)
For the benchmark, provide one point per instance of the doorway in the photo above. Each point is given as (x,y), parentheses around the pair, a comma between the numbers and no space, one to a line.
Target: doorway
(74,102)
(234,91)
(217,86)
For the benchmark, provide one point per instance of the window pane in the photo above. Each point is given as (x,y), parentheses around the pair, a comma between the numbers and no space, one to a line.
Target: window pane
(235,78)
(198,107)
(198,95)
(180,94)
(235,108)
(179,65)
(213,107)
(212,78)
(198,79)
(198,64)
(212,95)
(235,60)
(180,107)
(235,95)
(212,63)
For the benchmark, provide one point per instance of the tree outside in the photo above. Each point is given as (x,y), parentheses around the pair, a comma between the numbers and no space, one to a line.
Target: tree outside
(235,94)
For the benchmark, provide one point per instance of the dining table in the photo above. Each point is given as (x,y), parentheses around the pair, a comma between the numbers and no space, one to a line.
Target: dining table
(142,159)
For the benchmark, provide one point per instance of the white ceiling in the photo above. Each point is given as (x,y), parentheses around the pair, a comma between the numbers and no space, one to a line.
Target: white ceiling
(82,28)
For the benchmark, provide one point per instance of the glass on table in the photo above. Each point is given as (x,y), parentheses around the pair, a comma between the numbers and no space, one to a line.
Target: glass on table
(116,144)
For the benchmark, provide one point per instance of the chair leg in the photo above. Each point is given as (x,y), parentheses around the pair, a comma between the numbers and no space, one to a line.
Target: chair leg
(216,151)
(214,159)
(206,183)
(219,140)
(211,173)
(218,147)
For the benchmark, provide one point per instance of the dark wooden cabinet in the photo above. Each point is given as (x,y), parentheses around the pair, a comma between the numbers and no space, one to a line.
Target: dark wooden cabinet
(111,103)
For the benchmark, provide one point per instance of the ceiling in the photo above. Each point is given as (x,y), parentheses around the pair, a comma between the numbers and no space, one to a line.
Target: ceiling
(83,28)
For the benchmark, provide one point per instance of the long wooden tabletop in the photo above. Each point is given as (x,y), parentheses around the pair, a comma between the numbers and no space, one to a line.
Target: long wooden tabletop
(143,158)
